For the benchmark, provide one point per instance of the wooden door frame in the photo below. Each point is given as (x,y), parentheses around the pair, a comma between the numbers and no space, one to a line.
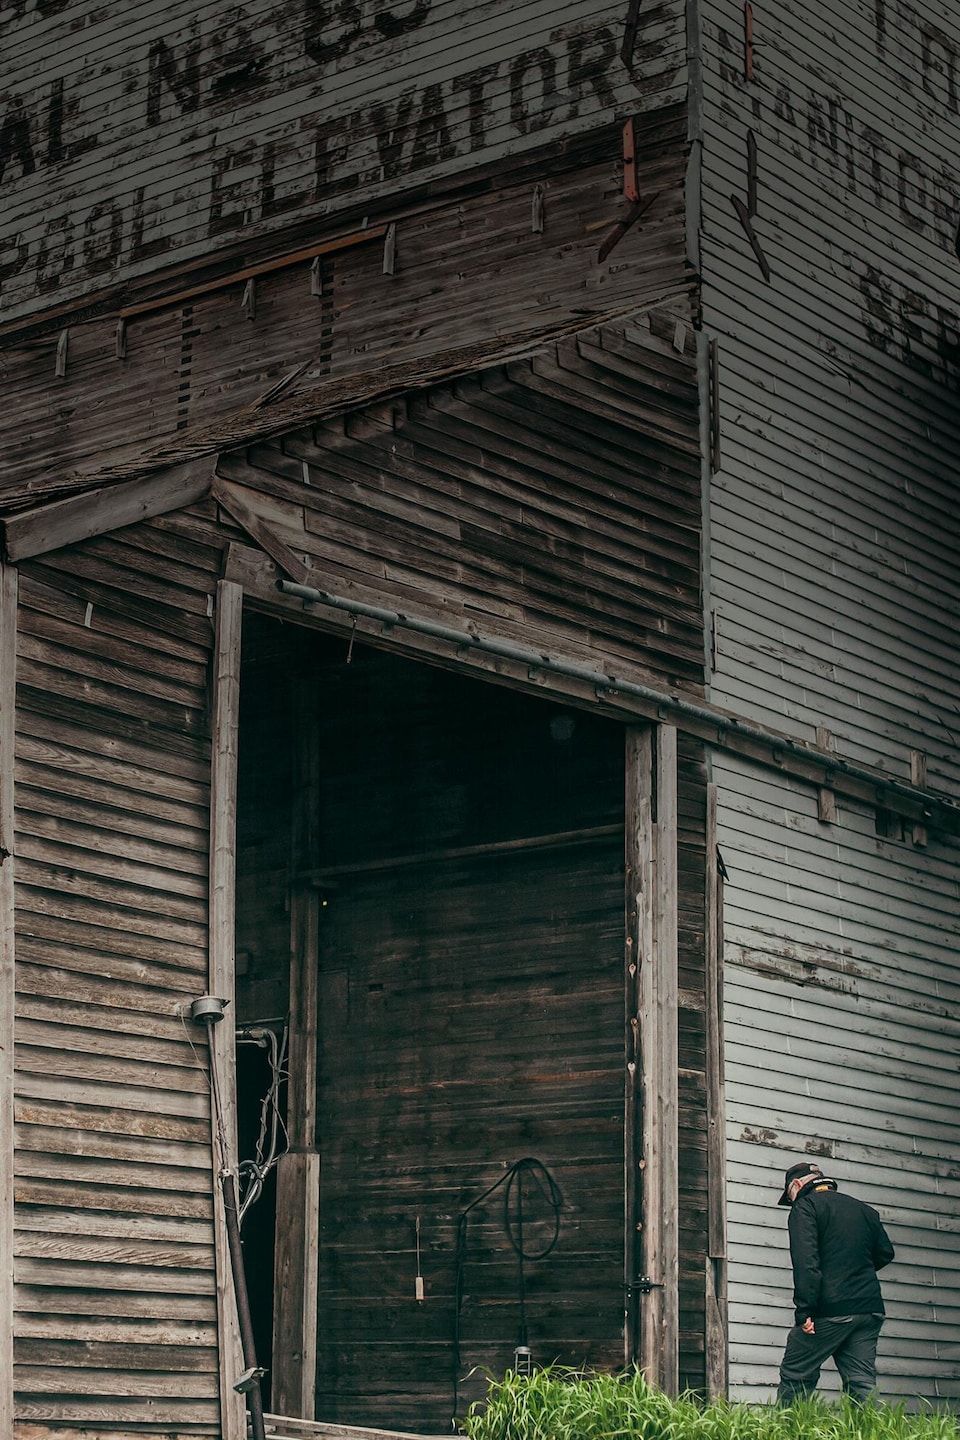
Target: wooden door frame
(296,1265)
(651,1099)
(651,1133)
(222,978)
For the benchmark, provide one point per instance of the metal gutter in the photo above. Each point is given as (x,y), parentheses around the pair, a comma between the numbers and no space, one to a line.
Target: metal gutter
(803,762)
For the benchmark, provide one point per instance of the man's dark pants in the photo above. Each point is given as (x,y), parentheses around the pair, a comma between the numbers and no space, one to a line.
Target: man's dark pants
(850,1339)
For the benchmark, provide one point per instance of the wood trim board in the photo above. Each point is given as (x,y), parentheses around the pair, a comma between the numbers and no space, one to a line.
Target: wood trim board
(8,657)
(223,829)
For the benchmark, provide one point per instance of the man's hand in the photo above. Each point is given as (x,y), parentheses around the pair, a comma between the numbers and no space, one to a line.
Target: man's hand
(807,1326)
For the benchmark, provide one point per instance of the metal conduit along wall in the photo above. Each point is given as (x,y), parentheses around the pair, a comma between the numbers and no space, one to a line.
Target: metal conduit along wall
(703,720)
(831,294)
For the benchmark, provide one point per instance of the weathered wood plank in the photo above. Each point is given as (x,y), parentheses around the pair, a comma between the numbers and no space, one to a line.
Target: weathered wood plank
(139,1184)
(42,599)
(131,1254)
(109,1120)
(111,1144)
(296,1275)
(77,1381)
(134,763)
(297,1253)
(107,851)
(104,1093)
(8,672)
(55,1220)
(117,1329)
(637,823)
(222,883)
(284,1428)
(65,522)
(716,1347)
(71,1058)
(659,994)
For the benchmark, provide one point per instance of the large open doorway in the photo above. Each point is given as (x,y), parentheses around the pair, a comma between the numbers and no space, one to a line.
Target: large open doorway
(468,866)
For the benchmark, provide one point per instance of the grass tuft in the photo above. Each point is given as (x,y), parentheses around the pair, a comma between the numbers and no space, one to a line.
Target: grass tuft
(561,1404)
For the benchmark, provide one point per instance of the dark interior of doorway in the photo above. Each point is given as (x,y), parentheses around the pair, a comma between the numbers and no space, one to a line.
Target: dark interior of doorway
(471,1011)
(253,1084)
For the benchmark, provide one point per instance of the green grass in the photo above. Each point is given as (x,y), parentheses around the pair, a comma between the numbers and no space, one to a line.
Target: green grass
(558,1404)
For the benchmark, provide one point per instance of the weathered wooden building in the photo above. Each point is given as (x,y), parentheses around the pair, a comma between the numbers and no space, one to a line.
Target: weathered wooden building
(459,466)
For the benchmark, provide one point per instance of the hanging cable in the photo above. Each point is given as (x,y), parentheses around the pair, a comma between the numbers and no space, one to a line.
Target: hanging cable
(512,1179)
(254,1172)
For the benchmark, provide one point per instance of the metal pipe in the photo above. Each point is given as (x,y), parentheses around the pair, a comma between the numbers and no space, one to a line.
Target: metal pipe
(662,700)
(231,1212)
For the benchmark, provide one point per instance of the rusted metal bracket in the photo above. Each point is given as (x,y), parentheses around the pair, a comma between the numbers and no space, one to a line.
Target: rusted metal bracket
(631,183)
(390,249)
(716,458)
(630,33)
(635,213)
(743,215)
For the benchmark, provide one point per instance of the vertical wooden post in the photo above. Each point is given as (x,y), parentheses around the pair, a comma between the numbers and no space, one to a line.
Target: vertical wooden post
(716,1273)
(638,914)
(660,1325)
(223,836)
(296,1262)
(8,662)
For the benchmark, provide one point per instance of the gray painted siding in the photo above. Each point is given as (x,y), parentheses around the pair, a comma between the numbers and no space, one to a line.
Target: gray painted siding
(842,1034)
(143,134)
(833,587)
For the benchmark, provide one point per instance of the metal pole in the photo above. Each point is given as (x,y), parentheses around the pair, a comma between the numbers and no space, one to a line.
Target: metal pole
(231,1211)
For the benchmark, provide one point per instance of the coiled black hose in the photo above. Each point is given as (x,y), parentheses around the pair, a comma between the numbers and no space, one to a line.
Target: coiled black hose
(511,1179)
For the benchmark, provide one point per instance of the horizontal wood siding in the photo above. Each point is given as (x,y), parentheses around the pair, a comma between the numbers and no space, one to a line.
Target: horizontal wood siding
(832,595)
(469,267)
(115,1314)
(150,135)
(556,500)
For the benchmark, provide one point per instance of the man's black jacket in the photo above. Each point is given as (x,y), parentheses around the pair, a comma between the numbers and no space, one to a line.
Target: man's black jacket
(837,1245)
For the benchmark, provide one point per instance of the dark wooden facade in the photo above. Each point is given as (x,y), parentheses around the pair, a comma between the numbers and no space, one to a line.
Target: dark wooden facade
(552,500)
(457,379)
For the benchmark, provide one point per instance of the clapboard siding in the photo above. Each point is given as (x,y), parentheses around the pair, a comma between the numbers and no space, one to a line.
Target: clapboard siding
(833,606)
(865,642)
(522,494)
(115,1316)
(469,267)
(841,994)
(170,131)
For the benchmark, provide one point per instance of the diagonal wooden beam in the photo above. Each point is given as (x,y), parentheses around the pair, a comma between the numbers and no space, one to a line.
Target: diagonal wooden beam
(229,497)
(110,507)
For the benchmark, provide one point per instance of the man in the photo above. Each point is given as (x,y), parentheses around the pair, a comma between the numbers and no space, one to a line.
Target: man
(837,1245)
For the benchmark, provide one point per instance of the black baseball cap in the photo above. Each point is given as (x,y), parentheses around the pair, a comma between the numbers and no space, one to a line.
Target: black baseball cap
(796,1172)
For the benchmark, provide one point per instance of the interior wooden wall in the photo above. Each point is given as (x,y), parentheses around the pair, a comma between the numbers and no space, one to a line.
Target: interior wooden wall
(556,500)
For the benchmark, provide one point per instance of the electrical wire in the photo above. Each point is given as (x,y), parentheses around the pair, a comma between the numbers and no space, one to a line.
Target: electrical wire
(512,1177)
(254,1172)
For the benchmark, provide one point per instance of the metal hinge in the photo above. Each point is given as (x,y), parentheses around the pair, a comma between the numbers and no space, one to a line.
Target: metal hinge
(643,1285)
